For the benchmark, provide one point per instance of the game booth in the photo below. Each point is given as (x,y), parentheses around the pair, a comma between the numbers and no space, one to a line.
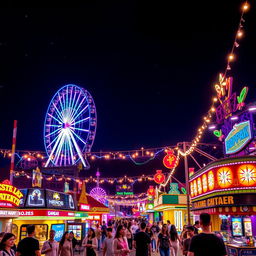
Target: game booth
(46,209)
(10,198)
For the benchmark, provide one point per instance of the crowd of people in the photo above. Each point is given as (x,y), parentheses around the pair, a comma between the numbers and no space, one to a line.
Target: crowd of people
(120,237)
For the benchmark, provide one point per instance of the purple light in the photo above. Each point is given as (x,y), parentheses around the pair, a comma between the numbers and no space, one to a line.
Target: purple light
(234,118)
(252,109)
(212,127)
(99,194)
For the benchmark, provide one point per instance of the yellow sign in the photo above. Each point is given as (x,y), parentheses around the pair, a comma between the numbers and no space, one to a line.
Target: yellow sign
(9,196)
(215,201)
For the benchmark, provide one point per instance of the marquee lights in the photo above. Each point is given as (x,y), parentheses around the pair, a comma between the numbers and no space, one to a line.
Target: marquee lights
(234,176)
(247,175)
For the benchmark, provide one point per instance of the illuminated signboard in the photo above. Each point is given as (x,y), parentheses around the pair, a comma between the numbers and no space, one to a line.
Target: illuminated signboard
(124,189)
(48,213)
(85,207)
(35,198)
(238,137)
(223,201)
(10,196)
(8,213)
(59,200)
(240,175)
(124,193)
(59,231)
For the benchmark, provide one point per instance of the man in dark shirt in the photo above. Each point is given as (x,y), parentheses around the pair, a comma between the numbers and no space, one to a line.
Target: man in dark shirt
(29,246)
(206,243)
(196,227)
(190,233)
(142,242)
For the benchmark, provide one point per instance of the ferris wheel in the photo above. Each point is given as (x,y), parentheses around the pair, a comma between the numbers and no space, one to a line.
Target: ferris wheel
(70,126)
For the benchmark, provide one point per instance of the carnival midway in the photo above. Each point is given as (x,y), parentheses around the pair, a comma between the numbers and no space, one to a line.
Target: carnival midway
(50,205)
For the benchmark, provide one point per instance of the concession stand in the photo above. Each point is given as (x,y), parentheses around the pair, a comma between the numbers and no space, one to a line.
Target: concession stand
(172,206)
(46,209)
(10,198)
(226,189)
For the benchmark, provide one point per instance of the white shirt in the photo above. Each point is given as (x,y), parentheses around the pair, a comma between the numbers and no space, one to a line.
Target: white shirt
(54,245)
(108,243)
(134,227)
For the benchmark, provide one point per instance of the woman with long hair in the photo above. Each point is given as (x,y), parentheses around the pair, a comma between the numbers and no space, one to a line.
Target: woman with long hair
(163,242)
(90,243)
(6,245)
(120,243)
(65,246)
(175,240)
(129,234)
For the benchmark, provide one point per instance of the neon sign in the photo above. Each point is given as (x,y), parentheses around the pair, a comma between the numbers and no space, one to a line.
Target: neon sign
(222,177)
(85,207)
(238,137)
(10,196)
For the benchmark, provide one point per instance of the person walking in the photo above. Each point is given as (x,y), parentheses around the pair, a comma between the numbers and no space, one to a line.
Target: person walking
(190,232)
(155,230)
(108,243)
(206,243)
(98,235)
(129,235)
(142,242)
(120,243)
(163,242)
(50,247)
(65,246)
(6,245)
(175,241)
(29,246)
(103,232)
(73,241)
(90,243)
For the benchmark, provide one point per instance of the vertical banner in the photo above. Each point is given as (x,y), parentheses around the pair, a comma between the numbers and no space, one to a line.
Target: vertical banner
(13,150)
(37,178)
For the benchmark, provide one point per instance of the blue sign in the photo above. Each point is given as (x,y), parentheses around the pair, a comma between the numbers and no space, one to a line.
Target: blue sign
(238,137)
(59,231)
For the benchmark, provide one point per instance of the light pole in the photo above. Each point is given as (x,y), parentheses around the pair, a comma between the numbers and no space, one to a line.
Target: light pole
(187,179)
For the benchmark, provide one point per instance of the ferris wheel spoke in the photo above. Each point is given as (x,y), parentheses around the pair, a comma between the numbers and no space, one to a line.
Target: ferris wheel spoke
(77,109)
(80,129)
(58,112)
(78,150)
(53,140)
(55,131)
(71,150)
(53,125)
(55,118)
(54,148)
(74,118)
(59,149)
(78,137)
(75,102)
(60,100)
(81,121)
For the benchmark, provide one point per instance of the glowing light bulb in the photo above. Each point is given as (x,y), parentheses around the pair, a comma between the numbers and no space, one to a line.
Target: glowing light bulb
(231,57)
(246,7)
(212,109)
(93,157)
(240,33)
(215,99)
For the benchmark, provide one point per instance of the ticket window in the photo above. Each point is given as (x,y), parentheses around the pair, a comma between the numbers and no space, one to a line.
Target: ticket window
(41,231)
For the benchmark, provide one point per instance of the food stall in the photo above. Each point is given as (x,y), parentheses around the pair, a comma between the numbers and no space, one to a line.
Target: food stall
(10,198)
(226,189)
(172,206)
(46,209)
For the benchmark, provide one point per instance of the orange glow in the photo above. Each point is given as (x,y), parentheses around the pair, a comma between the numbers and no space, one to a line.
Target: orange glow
(205,186)
(225,177)
(211,180)
(199,185)
(192,189)
(247,175)
(246,7)
(195,187)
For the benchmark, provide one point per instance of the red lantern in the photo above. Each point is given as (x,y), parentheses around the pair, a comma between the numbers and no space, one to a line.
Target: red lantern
(151,191)
(159,177)
(170,160)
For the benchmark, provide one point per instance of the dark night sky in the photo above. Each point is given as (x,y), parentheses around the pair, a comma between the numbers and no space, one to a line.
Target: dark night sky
(149,67)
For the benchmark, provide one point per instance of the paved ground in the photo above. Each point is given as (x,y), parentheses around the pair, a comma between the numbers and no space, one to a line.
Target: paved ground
(131,254)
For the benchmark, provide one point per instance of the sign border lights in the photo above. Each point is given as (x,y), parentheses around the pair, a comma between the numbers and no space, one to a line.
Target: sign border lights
(239,136)
(10,196)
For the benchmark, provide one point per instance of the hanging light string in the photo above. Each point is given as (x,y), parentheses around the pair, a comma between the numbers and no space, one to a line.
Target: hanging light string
(207,118)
